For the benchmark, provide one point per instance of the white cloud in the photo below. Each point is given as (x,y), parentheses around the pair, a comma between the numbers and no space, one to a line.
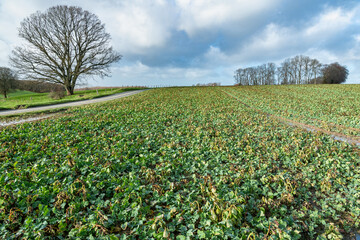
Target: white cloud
(271,42)
(267,45)
(277,41)
(137,68)
(5,51)
(329,23)
(141,28)
(19,9)
(215,57)
(357,38)
(137,26)
(12,12)
(323,55)
(202,15)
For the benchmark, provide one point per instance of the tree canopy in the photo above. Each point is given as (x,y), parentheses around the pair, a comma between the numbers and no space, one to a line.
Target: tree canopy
(63,45)
(7,78)
(334,73)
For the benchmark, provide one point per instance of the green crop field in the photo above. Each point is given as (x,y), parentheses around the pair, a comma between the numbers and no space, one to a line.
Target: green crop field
(332,107)
(187,163)
(25,99)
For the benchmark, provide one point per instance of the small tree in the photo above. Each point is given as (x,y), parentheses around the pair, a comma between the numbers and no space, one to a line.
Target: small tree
(7,78)
(334,74)
(63,45)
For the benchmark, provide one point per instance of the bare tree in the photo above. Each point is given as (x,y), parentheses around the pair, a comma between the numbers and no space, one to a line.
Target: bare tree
(296,70)
(239,76)
(284,72)
(306,69)
(260,75)
(270,73)
(315,67)
(299,70)
(7,79)
(64,45)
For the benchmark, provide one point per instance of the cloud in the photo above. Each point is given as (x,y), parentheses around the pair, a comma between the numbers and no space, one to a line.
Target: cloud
(184,42)
(330,22)
(137,26)
(11,14)
(357,38)
(215,57)
(277,41)
(4,49)
(323,55)
(270,43)
(354,52)
(313,38)
(214,15)
(350,59)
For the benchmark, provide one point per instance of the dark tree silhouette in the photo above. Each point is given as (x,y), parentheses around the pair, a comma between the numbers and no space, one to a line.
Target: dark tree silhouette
(334,73)
(63,45)
(7,78)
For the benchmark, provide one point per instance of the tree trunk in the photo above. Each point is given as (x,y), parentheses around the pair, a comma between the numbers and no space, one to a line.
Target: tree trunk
(69,90)
(5,95)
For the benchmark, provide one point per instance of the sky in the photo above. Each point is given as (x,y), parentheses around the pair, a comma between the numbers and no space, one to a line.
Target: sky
(186,42)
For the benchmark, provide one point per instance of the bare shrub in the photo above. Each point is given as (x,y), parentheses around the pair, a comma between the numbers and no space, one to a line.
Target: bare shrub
(57,95)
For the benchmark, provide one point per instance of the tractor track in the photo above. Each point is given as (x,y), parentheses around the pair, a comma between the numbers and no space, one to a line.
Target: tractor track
(335,135)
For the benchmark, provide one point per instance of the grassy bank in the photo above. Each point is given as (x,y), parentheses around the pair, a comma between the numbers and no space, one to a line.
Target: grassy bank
(25,99)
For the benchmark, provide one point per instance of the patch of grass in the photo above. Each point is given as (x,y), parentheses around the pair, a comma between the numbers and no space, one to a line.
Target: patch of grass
(17,93)
(25,99)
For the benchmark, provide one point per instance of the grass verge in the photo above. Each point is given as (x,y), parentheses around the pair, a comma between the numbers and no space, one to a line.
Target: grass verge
(25,99)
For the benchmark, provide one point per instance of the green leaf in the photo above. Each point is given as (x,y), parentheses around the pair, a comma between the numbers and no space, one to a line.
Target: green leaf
(201,234)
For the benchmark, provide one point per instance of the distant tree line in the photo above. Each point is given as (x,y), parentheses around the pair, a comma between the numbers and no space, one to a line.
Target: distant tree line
(37,86)
(214,84)
(297,70)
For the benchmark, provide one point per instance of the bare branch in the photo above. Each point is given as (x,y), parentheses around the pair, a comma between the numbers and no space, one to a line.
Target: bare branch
(63,44)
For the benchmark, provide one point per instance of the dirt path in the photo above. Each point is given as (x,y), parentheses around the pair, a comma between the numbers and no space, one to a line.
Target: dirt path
(70,104)
(31,119)
(335,135)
